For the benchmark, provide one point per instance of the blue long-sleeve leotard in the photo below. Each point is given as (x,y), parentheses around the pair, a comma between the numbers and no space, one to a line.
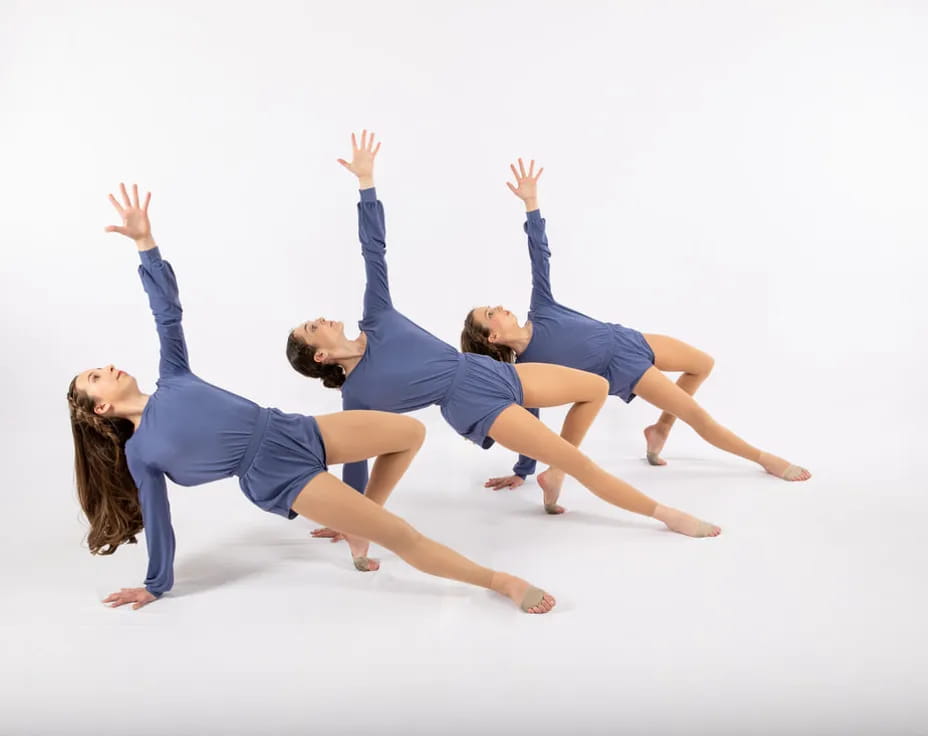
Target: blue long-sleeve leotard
(561,335)
(404,367)
(190,431)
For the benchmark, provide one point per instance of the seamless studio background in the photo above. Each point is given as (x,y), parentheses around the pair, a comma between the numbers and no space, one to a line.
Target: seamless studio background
(746,176)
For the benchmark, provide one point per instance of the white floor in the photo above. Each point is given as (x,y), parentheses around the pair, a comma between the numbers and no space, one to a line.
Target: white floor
(805,617)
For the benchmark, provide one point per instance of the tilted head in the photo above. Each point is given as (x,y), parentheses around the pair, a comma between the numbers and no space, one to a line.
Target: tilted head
(106,388)
(485,330)
(105,488)
(311,347)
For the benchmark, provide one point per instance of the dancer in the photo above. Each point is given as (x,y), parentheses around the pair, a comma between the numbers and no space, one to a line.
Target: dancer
(630,361)
(126,442)
(395,365)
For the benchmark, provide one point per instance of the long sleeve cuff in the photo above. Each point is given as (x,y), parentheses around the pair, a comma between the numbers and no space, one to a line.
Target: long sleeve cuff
(154,592)
(150,256)
(533,216)
(369,195)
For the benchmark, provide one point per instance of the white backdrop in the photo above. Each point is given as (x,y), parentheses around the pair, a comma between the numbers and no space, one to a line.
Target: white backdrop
(746,176)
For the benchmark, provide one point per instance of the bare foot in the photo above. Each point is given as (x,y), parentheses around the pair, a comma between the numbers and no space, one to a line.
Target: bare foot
(519,592)
(325,533)
(683,523)
(359,549)
(782,469)
(655,436)
(551,481)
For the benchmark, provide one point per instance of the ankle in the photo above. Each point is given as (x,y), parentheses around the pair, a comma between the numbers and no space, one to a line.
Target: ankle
(661,512)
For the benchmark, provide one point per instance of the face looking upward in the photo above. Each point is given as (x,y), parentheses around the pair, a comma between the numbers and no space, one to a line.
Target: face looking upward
(323,334)
(107,387)
(497,320)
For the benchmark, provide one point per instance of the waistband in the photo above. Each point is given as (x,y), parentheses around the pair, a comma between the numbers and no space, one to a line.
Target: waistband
(264,416)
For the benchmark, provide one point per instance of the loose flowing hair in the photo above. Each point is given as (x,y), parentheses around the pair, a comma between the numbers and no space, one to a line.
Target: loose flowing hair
(105,488)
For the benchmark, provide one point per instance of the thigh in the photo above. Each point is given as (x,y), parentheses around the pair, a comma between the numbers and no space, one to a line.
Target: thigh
(655,388)
(518,430)
(546,384)
(327,501)
(350,436)
(675,355)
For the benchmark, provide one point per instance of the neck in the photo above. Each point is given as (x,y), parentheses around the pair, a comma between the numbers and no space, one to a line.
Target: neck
(519,339)
(133,407)
(349,355)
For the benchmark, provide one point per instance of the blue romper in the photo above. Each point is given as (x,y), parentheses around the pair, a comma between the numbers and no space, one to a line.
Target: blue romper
(566,337)
(194,432)
(405,368)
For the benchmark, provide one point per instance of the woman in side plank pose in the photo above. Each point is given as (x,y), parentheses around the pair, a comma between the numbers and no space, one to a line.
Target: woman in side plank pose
(630,361)
(395,365)
(126,442)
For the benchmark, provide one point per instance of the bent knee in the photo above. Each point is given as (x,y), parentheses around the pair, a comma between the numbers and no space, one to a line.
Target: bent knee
(599,388)
(412,433)
(706,364)
(416,433)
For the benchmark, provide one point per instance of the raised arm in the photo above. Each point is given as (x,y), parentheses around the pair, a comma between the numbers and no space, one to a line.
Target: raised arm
(526,189)
(159,537)
(157,279)
(371,225)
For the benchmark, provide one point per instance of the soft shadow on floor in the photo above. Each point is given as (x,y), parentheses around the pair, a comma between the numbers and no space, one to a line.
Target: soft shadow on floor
(254,552)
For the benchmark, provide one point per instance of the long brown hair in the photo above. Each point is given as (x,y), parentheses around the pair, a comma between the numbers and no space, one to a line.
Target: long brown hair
(301,356)
(105,488)
(475,338)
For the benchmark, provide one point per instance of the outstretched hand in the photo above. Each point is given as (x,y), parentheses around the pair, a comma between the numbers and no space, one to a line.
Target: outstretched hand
(138,597)
(526,187)
(362,159)
(134,216)
(325,532)
(510,481)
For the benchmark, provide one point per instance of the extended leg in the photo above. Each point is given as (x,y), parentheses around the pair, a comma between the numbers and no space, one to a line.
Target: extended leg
(327,500)
(518,430)
(659,390)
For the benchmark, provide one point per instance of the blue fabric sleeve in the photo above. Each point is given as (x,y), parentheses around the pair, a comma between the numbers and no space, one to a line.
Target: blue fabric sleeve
(539,253)
(372,232)
(354,474)
(161,286)
(525,465)
(156,518)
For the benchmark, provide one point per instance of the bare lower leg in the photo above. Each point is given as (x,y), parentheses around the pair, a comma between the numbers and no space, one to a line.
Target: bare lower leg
(657,389)
(555,385)
(385,474)
(518,430)
(674,355)
(656,435)
(327,500)
(576,424)
(355,435)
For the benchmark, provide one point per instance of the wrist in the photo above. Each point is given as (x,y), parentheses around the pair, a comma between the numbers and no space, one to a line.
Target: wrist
(365,182)
(531,204)
(146,243)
